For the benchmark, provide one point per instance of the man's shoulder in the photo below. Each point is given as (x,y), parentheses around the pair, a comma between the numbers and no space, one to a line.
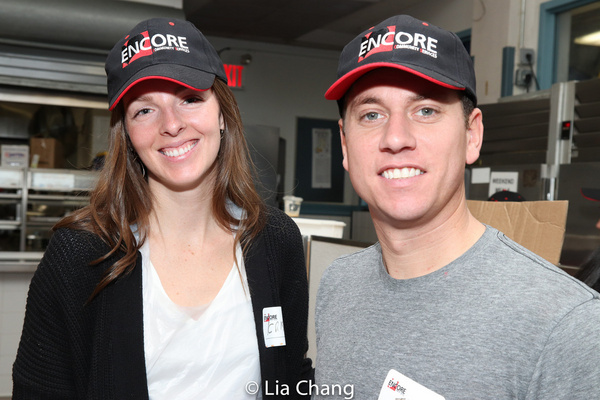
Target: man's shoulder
(531,275)
(355,263)
(513,258)
(370,253)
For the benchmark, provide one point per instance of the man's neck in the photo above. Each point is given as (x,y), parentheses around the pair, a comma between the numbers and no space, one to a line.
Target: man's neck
(413,252)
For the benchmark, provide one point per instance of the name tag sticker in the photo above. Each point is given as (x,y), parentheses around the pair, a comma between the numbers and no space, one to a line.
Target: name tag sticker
(273,327)
(399,387)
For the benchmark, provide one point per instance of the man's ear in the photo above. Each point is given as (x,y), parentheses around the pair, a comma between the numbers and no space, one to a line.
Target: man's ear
(474,136)
(344,146)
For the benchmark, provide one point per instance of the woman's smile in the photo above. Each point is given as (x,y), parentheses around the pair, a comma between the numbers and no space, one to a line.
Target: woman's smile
(180,150)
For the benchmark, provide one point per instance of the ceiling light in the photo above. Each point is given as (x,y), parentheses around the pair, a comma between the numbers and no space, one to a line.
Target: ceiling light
(591,39)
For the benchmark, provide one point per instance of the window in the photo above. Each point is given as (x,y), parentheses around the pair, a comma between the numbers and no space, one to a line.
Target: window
(578,43)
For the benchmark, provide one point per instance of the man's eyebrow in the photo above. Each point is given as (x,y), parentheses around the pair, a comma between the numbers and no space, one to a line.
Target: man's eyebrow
(367,99)
(420,97)
(370,99)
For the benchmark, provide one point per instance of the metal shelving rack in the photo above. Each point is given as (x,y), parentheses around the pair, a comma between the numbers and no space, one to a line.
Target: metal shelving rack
(23,187)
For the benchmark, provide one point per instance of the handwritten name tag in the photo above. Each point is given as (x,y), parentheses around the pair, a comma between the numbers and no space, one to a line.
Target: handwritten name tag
(273,327)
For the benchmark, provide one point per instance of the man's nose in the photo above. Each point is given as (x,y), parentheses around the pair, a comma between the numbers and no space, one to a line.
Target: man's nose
(397,135)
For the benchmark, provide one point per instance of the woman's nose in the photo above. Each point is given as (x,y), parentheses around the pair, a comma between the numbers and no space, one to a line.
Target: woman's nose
(172,122)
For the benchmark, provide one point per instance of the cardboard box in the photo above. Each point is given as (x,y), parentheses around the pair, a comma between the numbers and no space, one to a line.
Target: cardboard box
(46,153)
(15,155)
(536,225)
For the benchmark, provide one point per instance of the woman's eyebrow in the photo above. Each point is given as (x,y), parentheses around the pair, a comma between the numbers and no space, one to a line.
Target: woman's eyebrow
(141,98)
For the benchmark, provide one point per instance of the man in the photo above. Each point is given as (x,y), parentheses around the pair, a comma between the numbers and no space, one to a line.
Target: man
(442,306)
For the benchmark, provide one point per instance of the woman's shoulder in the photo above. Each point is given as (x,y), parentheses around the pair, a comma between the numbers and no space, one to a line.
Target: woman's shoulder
(73,248)
(82,241)
(283,245)
(68,264)
(279,221)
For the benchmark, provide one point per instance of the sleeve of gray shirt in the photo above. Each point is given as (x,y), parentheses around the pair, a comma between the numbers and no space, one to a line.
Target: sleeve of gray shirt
(569,366)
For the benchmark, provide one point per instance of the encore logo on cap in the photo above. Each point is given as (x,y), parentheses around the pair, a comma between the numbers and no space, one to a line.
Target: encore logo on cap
(387,40)
(143,45)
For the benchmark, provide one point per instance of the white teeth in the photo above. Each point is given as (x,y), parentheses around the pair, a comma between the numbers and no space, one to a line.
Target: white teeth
(401,173)
(180,151)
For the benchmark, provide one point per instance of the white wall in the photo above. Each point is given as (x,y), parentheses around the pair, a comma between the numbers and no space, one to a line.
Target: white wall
(497,24)
(453,15)
(281,84)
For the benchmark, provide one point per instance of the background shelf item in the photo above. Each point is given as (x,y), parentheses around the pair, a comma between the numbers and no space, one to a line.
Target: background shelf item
(33,200)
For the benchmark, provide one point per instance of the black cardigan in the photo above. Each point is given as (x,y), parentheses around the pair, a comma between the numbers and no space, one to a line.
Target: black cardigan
(70,349)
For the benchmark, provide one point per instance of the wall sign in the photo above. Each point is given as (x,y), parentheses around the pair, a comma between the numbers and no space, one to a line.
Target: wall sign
(321,158)
(319,170)
(500,181)
(234,75)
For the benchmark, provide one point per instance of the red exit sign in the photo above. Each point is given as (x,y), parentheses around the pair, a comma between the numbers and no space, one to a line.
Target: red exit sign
(234,75)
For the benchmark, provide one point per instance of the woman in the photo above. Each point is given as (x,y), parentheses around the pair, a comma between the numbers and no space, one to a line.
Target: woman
(168,284)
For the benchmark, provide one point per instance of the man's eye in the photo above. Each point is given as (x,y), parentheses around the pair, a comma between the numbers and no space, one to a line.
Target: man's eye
(426,112)
(371,116)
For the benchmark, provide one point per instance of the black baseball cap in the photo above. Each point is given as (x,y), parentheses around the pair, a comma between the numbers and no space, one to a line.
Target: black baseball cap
(162,48)
(591,193)
(406,43)
(506,195)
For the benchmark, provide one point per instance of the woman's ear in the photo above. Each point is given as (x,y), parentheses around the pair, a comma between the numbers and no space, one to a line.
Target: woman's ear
(474,136)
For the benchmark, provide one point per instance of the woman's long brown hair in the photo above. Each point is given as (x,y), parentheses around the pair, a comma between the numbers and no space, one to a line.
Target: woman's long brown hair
(122,198)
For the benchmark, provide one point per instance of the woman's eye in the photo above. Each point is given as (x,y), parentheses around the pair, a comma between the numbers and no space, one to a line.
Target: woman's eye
(141,112)
(192,100)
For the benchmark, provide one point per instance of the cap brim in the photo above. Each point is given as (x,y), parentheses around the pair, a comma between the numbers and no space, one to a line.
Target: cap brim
(591,194)
(341,86)
(186,76)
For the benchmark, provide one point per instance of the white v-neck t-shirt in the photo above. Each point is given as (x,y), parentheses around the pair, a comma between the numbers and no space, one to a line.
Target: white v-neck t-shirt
(206,352)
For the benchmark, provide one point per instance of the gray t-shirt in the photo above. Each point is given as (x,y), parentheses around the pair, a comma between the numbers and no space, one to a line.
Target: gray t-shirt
(499,322)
